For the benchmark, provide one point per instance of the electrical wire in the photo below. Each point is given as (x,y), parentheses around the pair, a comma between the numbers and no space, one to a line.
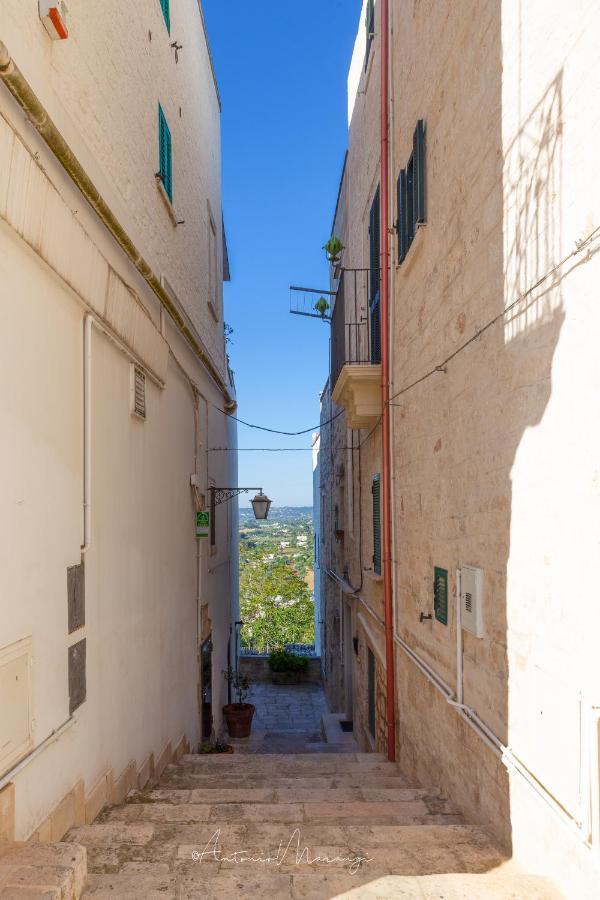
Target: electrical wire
(441,367)
(275,430)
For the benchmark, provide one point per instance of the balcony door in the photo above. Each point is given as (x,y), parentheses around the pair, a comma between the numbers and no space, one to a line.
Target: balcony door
(374,278)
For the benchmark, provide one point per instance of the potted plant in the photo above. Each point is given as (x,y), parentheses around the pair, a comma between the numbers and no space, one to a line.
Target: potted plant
(287,667)
(333,248)
(238,715)
(322,307)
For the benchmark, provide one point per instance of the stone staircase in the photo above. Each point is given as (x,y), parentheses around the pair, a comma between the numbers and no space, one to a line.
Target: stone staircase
(237,825)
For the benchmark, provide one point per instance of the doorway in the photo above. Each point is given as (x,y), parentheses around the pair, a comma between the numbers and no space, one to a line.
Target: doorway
(348,661)
(206,682)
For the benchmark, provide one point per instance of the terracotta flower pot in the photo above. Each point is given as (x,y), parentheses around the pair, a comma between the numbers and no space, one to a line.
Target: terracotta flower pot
(239,719)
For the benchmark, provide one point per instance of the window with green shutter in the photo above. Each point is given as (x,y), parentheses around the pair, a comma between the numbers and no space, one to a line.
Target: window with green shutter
(374,278)
(376,491)
(165,170)
(440,595)
(370,28)
(165,5)
(411,194)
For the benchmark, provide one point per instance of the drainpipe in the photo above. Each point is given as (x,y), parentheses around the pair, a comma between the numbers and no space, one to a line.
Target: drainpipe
(87,435)
(388,596)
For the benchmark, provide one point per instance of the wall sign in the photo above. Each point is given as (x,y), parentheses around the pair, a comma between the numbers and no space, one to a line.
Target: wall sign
(203,523)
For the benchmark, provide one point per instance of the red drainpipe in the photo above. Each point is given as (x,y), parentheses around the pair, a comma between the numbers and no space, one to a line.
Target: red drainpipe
(388,597)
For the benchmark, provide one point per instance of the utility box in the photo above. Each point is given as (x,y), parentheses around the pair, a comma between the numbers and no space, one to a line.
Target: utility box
(54,15)
(471,600)
(16,732)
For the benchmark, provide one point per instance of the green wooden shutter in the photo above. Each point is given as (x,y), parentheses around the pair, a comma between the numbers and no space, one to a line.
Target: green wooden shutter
(376,490)
(440,595)
(402,216)
(370,28)
(166,11)
(375,277)
(165,153)
(420,210)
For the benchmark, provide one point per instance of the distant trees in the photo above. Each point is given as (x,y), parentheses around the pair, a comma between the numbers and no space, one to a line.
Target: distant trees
(275,604)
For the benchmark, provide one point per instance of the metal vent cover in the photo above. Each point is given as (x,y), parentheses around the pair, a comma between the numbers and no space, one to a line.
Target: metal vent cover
(138,393)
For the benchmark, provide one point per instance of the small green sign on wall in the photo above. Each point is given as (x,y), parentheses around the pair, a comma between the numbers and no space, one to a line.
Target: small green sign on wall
(440,595)
(203,523)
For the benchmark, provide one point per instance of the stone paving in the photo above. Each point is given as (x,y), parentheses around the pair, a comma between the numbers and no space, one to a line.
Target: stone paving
(297,707)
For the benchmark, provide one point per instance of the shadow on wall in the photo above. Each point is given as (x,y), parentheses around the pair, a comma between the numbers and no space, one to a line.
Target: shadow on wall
(493,394)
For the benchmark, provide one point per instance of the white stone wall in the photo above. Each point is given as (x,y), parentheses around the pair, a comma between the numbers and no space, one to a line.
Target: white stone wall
(149,599)
(494,461)
(102,87)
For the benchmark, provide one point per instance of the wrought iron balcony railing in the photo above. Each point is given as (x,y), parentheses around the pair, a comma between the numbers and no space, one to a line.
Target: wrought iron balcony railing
(355,322)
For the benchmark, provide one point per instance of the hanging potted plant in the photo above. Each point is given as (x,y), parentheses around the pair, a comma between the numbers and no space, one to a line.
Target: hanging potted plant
(238,715)
(287,667)
(333,248)
(322,307)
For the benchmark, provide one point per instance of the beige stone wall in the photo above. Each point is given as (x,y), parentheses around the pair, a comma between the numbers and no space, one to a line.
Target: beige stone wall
(494,462)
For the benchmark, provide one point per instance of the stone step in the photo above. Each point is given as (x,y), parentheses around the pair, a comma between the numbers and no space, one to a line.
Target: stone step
(285,793)
(208,760)
(160,884)
(297,814)
(185,780)
(49,871)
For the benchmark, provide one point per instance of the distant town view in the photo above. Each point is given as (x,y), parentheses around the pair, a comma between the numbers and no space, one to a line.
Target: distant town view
(277,580)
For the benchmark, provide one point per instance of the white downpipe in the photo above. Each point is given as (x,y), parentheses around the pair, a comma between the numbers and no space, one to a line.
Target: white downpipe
(87,434)
(459,640)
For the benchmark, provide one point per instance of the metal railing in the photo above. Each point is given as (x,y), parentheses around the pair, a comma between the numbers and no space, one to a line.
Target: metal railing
(355,326)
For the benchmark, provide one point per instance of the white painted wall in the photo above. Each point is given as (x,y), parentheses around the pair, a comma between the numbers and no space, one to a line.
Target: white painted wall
(57,264)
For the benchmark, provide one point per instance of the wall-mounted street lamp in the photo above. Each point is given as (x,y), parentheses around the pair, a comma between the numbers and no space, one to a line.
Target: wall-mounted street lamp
(261,503)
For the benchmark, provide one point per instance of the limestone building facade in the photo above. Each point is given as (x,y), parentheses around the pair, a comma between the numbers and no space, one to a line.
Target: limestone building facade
(495,501)
(115,618)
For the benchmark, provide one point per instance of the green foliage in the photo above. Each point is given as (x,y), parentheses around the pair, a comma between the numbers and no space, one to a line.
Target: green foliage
(276,605)
(240,684)
(322,306)
(333,247)
(217,747)
(285,661)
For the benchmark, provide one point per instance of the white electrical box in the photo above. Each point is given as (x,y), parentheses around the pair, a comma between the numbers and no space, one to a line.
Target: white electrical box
(16,733)
(54,14)
(471,599)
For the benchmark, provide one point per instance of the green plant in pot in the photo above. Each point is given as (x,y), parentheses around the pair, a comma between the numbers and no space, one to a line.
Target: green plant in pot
(333,248)
(238,715)
(287,667)
(322,307)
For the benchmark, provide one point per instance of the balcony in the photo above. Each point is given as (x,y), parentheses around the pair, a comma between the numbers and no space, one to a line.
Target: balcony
(356,347)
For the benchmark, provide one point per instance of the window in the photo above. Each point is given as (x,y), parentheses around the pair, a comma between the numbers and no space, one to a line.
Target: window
(411,194)
(376,491)
(213,281)
(371,690)
(370,28)
(165,154)
(165,5)
(374,270)
(440,595)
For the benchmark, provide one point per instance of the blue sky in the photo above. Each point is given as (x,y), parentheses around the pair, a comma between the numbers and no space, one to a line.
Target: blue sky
(281,69)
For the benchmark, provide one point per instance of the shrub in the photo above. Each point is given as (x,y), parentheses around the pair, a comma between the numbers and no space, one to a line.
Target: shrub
(284,661)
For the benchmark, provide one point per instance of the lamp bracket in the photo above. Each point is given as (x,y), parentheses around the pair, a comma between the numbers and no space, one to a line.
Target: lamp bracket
(224,495)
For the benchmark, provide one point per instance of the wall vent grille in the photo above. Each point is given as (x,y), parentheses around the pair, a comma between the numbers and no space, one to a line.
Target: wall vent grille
(139,393)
